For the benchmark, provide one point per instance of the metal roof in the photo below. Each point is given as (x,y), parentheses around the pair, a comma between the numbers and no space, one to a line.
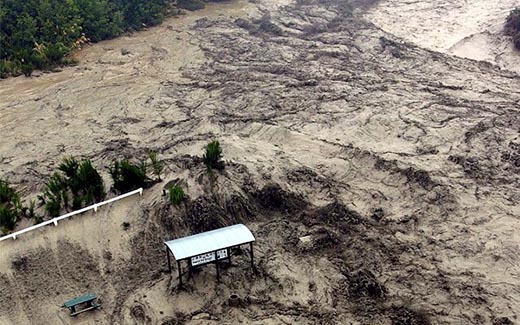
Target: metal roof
(210,241)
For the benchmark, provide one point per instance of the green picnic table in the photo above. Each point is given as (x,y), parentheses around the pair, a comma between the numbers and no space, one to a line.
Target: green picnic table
(87,300)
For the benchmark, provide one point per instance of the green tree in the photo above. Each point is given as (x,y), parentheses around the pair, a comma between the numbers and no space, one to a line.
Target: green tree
(128,176)
(213,156)
(78,181)
(100,19)
(10,207)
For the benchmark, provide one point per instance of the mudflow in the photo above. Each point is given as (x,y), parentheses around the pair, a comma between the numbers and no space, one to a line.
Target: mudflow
(379,178)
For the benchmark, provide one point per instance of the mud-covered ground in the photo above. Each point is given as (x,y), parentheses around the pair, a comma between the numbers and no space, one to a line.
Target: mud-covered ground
(471,29)
(380,179)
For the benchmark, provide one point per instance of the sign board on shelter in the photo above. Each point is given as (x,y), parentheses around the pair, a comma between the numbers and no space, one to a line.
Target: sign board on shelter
(208,257)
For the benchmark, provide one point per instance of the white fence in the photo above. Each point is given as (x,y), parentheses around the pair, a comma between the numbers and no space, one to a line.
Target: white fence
(70,214)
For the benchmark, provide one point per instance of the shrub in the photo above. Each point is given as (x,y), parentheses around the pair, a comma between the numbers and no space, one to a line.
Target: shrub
(157,165)
(31,214)
(128,176)
(8,218)
(83,180)
(79,180)
(55,195)
(10,207)
(212,157)
(176,195)
(55,52)
(7,194)
(27,69)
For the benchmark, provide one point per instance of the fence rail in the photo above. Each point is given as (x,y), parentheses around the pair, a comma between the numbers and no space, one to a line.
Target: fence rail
(70,214)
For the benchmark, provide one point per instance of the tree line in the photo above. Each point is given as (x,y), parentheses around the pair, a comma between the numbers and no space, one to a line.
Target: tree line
(38,34)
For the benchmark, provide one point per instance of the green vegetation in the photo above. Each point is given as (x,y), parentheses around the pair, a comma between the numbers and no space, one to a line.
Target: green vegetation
(10,207)
(176,195)
(128,176)
(512,26)
(157,165)
(78,181)
(38,34)
(213,156)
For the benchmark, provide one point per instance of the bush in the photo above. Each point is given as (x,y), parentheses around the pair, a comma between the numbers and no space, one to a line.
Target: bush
(27,69)
(212,157)
(55,52)
(55,195)
(29,212)
(7,194)
(80,180)
(8,218)
(10,207)
(84,182)
(176,195)
(128,176)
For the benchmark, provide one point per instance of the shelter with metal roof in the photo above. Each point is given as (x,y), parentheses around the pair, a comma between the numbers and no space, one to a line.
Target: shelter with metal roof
(209,247)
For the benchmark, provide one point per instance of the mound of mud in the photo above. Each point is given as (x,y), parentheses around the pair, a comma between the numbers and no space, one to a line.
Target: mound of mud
(401,315)
(274,198)
(204,214)
(364,284)
(333,214)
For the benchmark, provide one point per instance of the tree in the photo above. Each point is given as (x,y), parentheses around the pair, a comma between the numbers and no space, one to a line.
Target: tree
(78,181)
(128,176)
(10,207)
(213,156)
(40,34)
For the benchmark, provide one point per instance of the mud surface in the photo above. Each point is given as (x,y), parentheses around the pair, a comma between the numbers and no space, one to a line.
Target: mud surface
(380,179)
(471,29)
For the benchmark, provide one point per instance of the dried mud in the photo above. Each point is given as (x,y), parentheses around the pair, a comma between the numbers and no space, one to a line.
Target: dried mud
(380,179)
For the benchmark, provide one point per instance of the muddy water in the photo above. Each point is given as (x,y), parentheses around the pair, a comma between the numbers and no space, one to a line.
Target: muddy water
(328,106)
(471,29)
(112,77)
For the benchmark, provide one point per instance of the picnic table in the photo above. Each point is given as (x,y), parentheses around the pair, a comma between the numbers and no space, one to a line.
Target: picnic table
(86,300)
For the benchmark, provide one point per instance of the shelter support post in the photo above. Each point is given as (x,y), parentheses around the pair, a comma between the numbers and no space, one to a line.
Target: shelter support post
(180,272)
(168,258)
(251,254)
(216,266)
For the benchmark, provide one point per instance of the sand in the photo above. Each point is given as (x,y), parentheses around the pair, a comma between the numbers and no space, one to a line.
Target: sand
(379,178)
